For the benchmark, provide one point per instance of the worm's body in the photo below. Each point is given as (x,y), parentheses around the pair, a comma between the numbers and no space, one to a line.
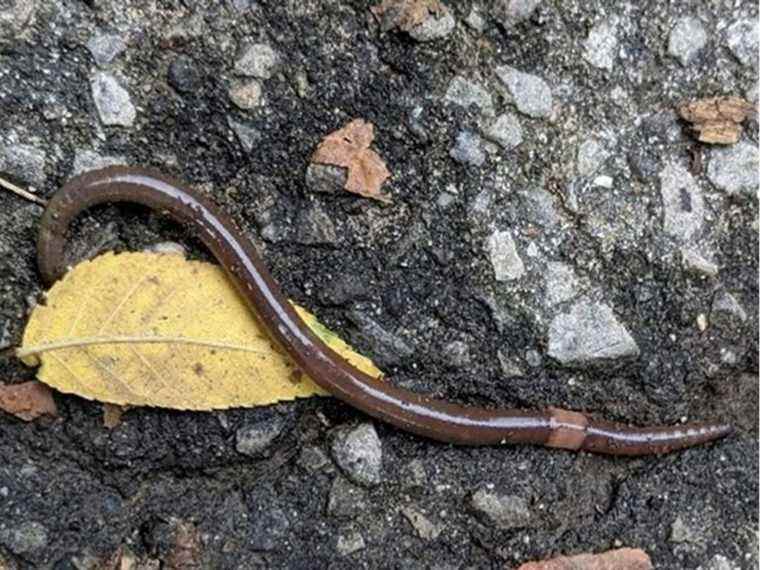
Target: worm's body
(407,410)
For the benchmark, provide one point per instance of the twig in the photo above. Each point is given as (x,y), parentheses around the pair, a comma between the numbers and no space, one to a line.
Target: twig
(21,192)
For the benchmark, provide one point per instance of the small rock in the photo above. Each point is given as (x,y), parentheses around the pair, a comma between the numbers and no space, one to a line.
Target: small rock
(268,526)
(465,92)
(601,45)
(424,527)
(435,26)
(719,562)
(734,168)
(388,348)
(359,454)
(468,149)
(533,358)
(326,178)
(457,353)
(694,262)
(112,100)
(27,538)
(681,532)
(105,47)
(644,165)
(682,202)
(24,162)
(531,94)
(561,283)
(258,60)
(687,38)
(349,543)
(313,459)
(246,95)
(702,322)
(86,160)
(511,12)
(591,156)
(475,19)
(603,181)
(726,309)
(589,334)
(248,135)
(253,440)
(346,500)
(506,262)
(620,559)
(509,365)
(168,248)
(183,75)
(504,511)
(315,227)
(414,474)
(742,38)
(505,131)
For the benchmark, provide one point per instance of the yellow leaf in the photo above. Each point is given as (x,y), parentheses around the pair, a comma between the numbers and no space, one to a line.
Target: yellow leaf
(157,330)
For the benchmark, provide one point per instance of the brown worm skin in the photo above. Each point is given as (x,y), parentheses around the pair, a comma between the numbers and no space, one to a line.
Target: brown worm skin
(416,413)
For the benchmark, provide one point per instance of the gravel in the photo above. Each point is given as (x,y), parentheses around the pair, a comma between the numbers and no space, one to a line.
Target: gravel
(531,94)
(686,40)
(466,92)
(601,46)
(468,149)
(589,334)
(257,60)
(359,454)
(112,100)
(505,130)
(106,47)
(505,260)
(503,511)
(734,168)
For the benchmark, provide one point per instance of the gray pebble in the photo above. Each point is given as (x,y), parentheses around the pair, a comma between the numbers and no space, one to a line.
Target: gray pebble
(315,227)
(686,39)
(349,543)
(313,459)
(600,48)
(465,92)
(468,149)
(510,367)
(589,334)
(425,528)
(475,19)
(531,94)
(503,511)
(26,538)
(326,178)
(183,75)
(697,263)
(246,95)
(726,308)
(533,358)
(434,27)
(346,500)
(561,283)
(90,160)
(388,348)
(735,168)
(511,12)
(112,101)
(682,202)
(24,162)
(457,353)
(253,440)
(742,38)
(258,60)
(505,131)
(268,526)
(592,154)
(681,532)
(414,474)
(247,135)
(506,262)
(105,47)
(359,454)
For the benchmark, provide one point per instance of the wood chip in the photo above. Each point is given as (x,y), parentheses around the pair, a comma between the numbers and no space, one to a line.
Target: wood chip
(717,120)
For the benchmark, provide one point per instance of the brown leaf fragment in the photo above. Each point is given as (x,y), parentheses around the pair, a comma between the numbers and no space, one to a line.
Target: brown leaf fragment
(405,14)
(349,148)
(717,120)
(620,559)
(186,552)
(28,400)
(112,415)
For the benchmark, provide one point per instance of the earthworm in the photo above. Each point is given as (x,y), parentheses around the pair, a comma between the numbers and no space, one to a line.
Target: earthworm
(377,397)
